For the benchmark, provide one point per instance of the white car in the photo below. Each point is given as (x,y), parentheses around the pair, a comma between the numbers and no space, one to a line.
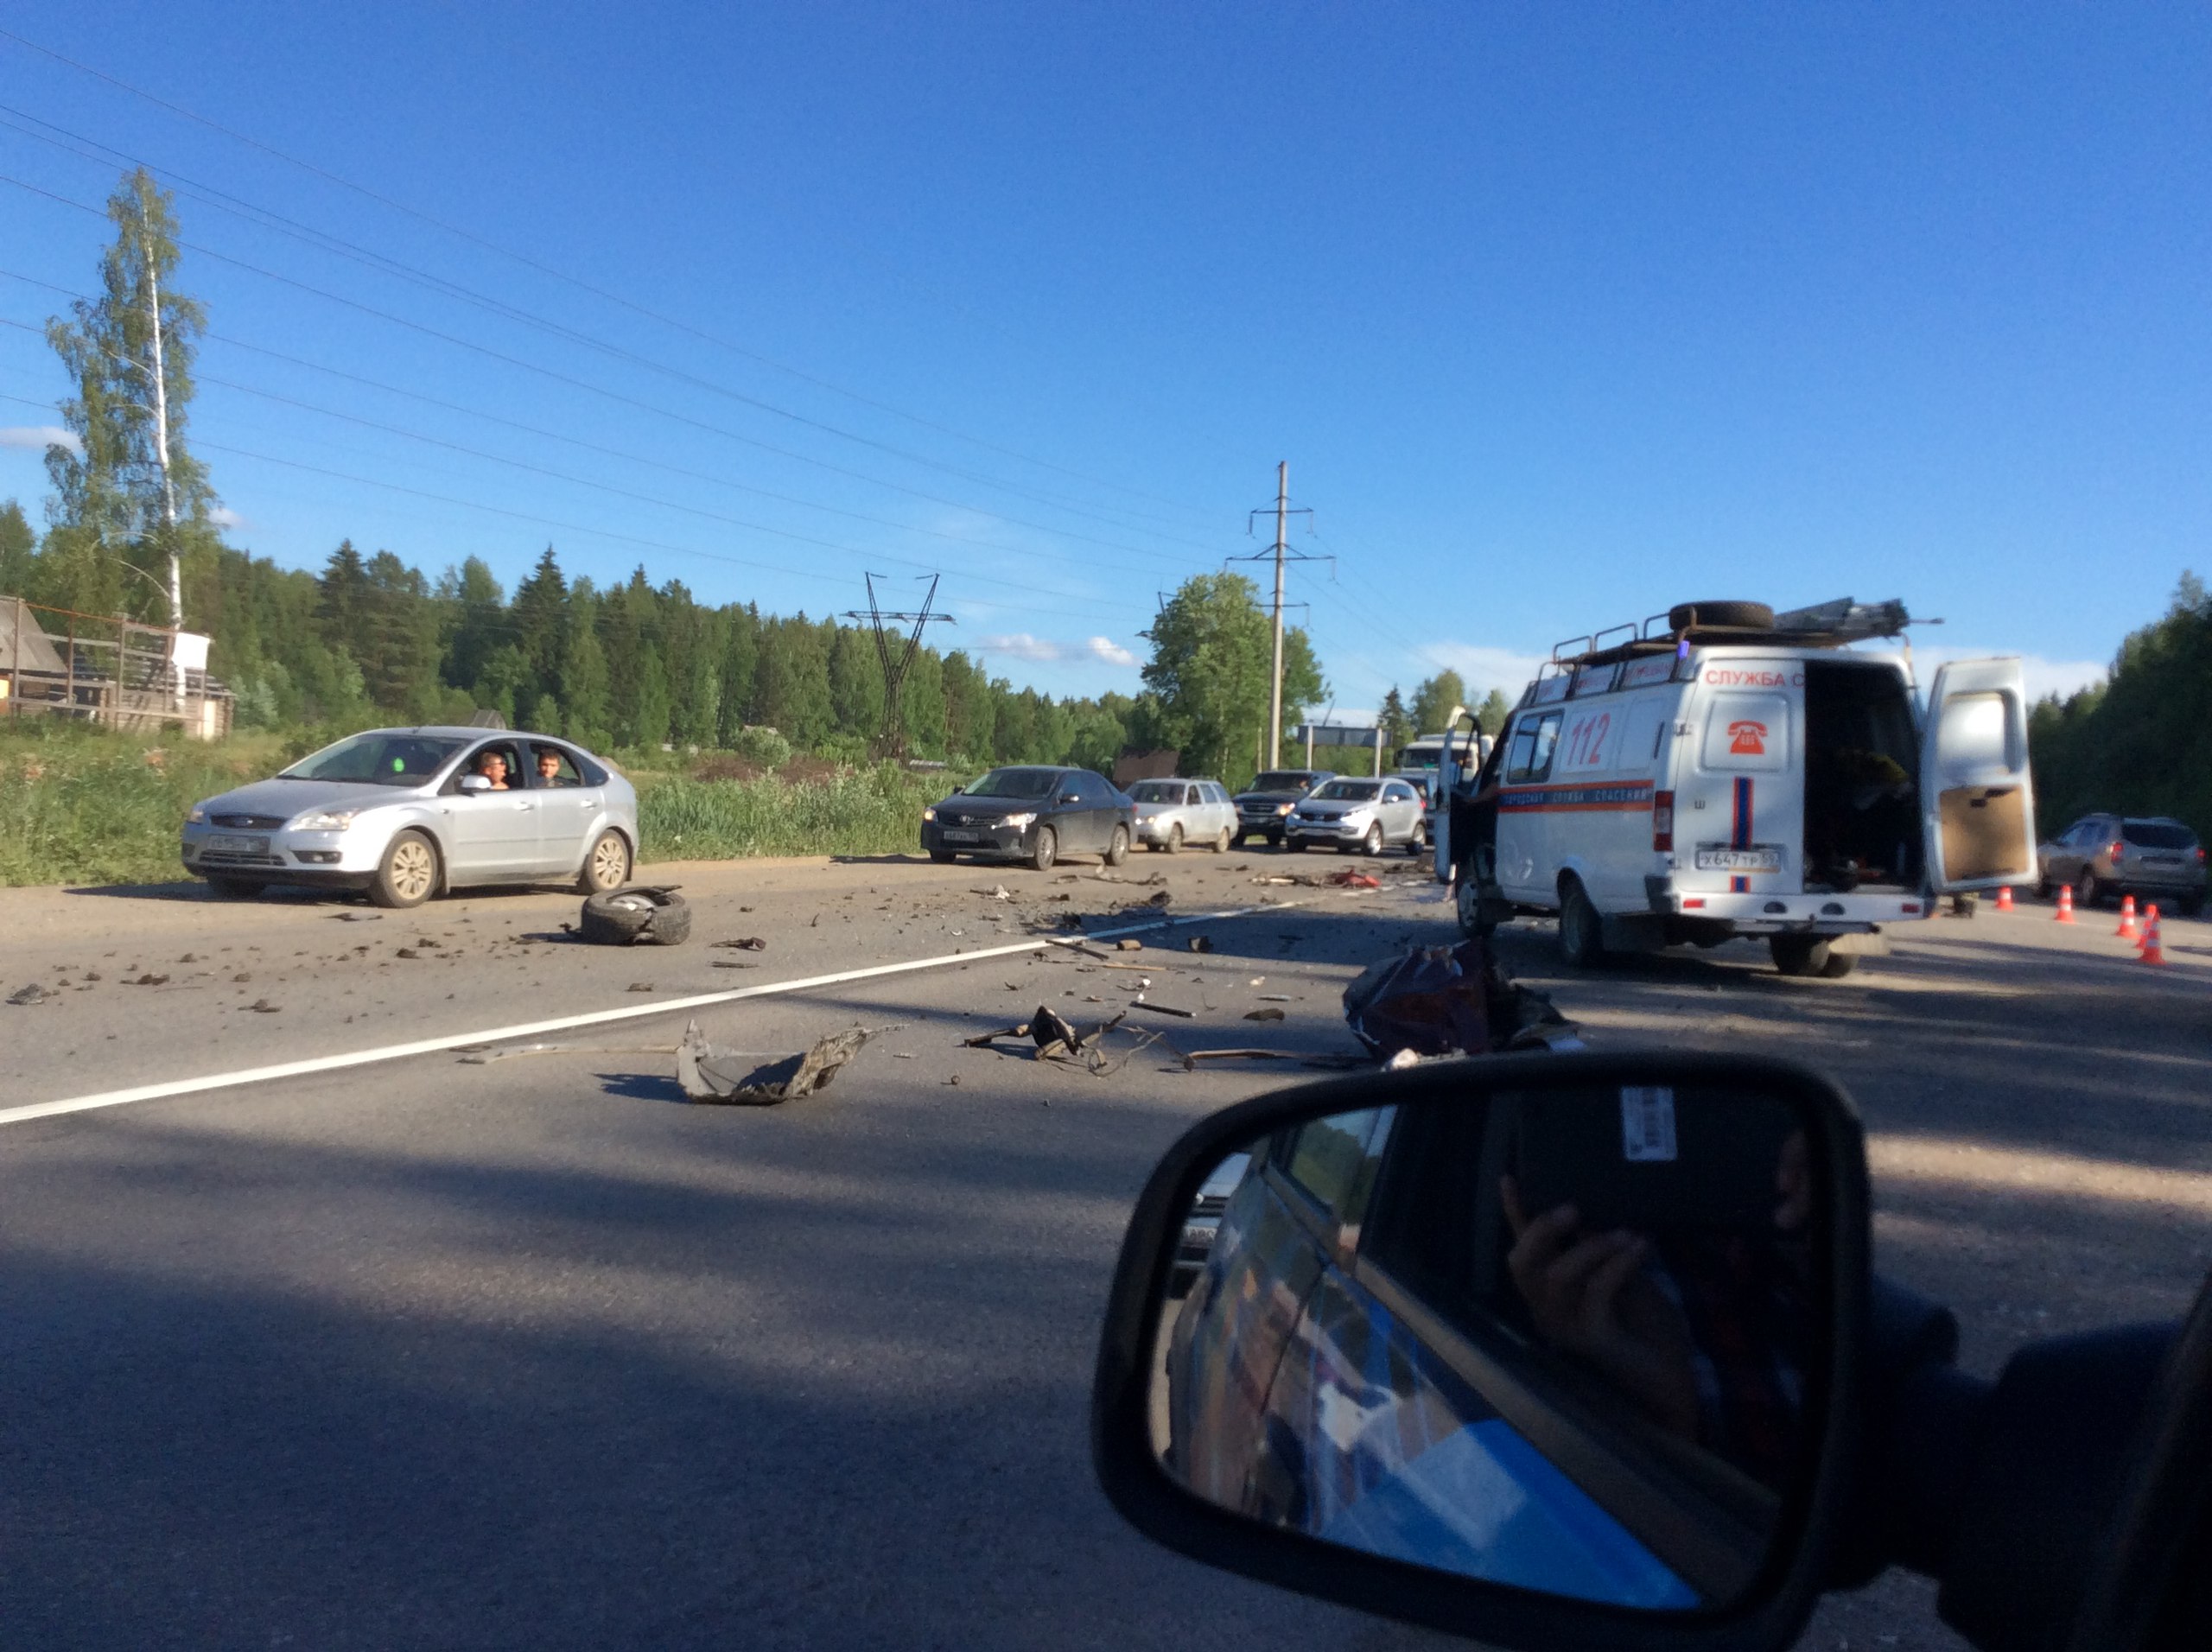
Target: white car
(1171,813)
(1369,816)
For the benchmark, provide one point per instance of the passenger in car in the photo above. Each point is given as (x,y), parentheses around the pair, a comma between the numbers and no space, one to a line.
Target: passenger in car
(549,769)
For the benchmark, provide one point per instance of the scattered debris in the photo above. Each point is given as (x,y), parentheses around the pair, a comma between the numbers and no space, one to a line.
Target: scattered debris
(996,892)
(1162,899)
(33,994)
(1401,1061)
(1438,1001)
(1269,1014)
(263,1006)
(746,944)
(1333,1060)
(710,1074)
(360,918)
(1129,943)
(1271,998)
(641,986)
(189,957)
(1200,944)
(735,964)
(148,979)
(242,977)
(1140,1001)
(1348,879)
(94,975)
(637,914)
(408,952)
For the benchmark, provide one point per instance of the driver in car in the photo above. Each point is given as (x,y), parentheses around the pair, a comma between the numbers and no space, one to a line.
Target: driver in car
(493,767)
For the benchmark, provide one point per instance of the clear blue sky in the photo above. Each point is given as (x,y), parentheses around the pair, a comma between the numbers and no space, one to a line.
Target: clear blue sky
(1560,314)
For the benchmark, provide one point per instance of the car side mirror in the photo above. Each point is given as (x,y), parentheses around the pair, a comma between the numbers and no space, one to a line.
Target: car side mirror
(1070,797)
(1546,1350)
(474,783)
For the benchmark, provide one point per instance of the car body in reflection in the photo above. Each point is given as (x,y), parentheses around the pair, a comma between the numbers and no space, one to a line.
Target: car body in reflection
(1320,1376)
(1204,1222)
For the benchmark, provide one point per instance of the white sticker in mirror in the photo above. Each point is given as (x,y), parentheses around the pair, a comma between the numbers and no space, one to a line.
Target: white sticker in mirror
(1648,1124)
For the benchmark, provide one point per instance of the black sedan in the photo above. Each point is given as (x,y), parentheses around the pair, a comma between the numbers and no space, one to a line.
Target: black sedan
(1033,814)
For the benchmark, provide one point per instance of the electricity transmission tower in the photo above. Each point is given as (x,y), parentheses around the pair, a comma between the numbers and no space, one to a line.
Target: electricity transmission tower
(896,648)
(1282,554)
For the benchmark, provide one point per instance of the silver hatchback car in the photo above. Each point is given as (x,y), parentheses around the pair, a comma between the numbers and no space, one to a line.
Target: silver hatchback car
(1171,813)
(2154,856)
(405,813)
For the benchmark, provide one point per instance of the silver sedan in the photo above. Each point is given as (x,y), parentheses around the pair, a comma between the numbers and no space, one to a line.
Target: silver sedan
(405,813)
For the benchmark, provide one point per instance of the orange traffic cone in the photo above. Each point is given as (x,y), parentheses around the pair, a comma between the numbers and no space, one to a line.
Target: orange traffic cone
(2151,951)
(2065,903)
(2127,929)
(2004,897)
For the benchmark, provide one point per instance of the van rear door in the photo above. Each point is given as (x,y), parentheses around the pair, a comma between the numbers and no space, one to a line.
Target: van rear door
(1977,805)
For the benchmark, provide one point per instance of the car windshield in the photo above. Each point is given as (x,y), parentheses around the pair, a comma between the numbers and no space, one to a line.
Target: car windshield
(1283,781)
(377,761)
(1016,782)
(2159,834)
(1157,791)
(1349,790)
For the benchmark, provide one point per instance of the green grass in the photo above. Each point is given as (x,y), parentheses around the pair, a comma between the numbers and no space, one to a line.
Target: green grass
(86,806)
(865,811)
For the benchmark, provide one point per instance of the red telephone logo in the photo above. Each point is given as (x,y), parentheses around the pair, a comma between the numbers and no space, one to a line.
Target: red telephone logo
(1747,740)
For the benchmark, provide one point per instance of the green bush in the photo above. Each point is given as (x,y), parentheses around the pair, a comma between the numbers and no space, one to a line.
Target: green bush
(852,811)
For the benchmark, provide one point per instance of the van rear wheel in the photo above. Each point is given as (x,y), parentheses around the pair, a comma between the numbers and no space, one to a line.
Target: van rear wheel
(1476,915)
(1581,932)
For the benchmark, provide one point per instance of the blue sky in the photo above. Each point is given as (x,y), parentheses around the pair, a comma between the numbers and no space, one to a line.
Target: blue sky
(1559,315)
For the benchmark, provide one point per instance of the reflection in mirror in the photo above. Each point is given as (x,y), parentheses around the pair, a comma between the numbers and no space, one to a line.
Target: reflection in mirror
(1559,1339)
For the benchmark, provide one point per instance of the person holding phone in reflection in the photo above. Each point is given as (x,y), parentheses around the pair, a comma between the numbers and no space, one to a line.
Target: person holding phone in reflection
(1704,1332)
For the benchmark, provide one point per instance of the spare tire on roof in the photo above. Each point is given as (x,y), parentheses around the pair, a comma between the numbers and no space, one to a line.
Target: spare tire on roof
(1748,616)
(637,914)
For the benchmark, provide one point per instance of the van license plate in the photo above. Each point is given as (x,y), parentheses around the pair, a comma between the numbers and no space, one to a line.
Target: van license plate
(1714,857)
(222,845)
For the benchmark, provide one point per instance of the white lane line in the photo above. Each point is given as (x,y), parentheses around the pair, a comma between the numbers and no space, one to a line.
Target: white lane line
(593,1017)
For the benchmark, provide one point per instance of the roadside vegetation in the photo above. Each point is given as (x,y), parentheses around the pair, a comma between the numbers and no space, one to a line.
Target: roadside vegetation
(80,805)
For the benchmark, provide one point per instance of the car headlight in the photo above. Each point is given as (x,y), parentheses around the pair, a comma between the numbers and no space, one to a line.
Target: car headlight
(195,816)
(333,820)
(1285,807)
(929,814)
(1020,823)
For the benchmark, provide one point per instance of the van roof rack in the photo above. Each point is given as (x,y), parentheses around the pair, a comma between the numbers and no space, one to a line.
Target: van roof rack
(1824,625)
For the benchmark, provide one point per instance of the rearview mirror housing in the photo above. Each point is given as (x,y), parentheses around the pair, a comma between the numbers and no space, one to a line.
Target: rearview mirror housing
(474,783)
(1343,1510)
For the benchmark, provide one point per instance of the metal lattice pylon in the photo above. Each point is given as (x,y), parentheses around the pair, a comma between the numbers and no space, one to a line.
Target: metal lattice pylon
(896,648)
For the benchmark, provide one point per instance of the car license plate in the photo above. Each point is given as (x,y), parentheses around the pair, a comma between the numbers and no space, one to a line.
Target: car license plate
(1760,857)
(963,837)
(225,843)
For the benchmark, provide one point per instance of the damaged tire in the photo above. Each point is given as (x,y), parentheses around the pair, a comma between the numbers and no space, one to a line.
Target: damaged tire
(636,915)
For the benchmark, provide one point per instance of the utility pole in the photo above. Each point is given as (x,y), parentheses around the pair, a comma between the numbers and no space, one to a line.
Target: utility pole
(1282,553)
(162,451)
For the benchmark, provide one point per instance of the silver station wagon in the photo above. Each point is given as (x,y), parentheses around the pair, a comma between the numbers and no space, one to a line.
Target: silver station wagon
(1171,813)
(406,813)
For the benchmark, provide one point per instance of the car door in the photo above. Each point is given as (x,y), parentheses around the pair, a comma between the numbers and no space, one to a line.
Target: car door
(568,809)
(1978,808)
(491,836)
(1405,811)
(1076,813)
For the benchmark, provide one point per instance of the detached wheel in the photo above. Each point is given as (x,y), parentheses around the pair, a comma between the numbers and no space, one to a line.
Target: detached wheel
(1046,850)
(1117,846)
(636,915)
(608,866)
(1810,956)
(1581,932)
(1175,838)
(408,873)
(235,888)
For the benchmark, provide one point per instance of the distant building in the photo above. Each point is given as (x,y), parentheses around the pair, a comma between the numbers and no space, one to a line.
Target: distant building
(106,668)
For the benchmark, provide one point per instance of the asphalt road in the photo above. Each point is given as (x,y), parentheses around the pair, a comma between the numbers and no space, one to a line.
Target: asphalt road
(532,1353)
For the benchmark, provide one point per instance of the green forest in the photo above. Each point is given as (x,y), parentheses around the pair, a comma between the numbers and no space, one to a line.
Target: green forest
(2139,743)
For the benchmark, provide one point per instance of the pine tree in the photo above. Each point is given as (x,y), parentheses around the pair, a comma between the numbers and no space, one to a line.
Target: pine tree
(17,546)
(540,628)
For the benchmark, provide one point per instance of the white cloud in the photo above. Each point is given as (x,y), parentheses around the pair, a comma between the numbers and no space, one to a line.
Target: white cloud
(39,437)
(223,516)
(1042,650)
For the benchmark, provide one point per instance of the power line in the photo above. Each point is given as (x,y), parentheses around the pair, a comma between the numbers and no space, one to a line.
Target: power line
(584,286)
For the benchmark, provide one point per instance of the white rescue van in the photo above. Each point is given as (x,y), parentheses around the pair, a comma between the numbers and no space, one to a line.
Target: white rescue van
(1700,781)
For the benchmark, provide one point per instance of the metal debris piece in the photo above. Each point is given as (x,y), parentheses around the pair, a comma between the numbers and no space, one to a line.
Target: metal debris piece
(1164,1009)
(360,918)
(746,944)
(1164,898)
(1348,879)
(263,1006)
(408,952)
(709,1075)
(1201,943)
(984,1041)
(735,964)
(33,994)
(996,892)
(1268,1014)
(641,986)
(1271,998)
(148,979)
(1129,943)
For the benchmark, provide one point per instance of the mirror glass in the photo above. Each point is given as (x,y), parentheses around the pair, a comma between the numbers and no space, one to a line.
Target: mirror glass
(1566,1340)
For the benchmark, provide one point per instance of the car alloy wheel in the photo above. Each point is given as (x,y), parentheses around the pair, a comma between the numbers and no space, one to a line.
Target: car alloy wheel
(1175,838)
(1372,844)
(608,866)
(408,873)
(1046,849)
(1117,846)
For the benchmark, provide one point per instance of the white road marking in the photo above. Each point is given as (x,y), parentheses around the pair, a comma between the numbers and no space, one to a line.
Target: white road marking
(593,1017)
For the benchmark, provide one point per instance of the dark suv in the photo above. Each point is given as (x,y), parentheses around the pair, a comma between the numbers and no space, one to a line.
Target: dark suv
(1032,812)
(1262,806)
(2153,856)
